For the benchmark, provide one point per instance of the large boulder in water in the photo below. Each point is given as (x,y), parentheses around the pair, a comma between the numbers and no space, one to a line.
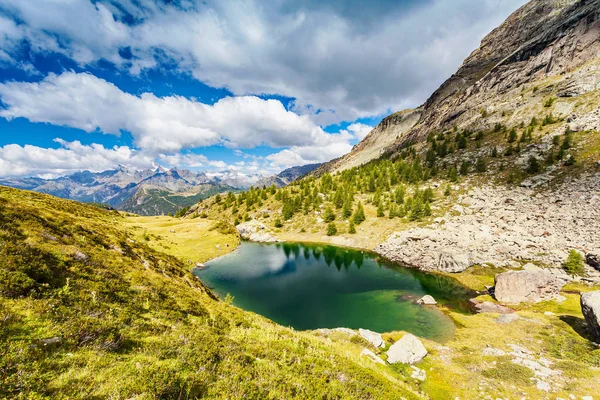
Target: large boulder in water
(526,286)
(590,307)
(408,350)
(452,262)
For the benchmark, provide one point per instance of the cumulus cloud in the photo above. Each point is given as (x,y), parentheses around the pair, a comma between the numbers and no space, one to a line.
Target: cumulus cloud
(340,60)
(70,157)
(166,124)
(28,160)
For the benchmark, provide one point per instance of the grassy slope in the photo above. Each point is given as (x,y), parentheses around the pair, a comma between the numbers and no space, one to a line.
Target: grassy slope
(190,240)
(132,322)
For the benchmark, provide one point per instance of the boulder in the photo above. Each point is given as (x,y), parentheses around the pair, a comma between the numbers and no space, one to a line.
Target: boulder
(408,350)
(427,300)
(452,262)
(372,337)
(590,307)
(372,356)
(593,260)
(526,286)
(489,307)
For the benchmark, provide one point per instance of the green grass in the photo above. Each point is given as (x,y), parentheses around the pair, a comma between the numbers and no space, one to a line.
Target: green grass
(190,240)
(130,321)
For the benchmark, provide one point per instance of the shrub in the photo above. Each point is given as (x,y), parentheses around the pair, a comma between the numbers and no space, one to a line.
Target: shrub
(278,223)
(549,102)
(331,229)
(464,168)
(481,165)
(533,165)
(224,228)
(512,136)
(570,160)
(574,263)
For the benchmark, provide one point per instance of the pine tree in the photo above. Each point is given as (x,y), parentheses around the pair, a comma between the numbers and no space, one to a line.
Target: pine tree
(533,165)
(512,136)
(380,212)
(329,216)
(480,165)
(464,168)
(453,175)
(447,191)
(347,209)
(359,214)
(331,229)
(351,227)
(427,209)
(392,212)
(417,210)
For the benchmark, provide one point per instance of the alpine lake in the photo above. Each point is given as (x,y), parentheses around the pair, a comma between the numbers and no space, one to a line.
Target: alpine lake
(309,287)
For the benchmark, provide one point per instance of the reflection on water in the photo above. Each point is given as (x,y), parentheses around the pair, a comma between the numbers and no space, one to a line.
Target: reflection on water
(312,286)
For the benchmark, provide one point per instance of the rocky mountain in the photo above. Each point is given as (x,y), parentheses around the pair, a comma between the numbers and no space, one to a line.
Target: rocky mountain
(543,59)
(147,192)
(287,176)
(155,191)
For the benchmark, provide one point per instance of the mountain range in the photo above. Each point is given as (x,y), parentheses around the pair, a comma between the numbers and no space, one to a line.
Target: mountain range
(156,191)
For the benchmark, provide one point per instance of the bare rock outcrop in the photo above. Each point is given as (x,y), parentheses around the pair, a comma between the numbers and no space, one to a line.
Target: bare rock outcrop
(527,286)
(507,227)
(255,232)
(590,307)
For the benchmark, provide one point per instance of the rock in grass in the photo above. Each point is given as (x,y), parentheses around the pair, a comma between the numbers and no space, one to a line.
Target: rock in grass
(427,300)
(489,307)
(408,350)
(526,286)
(372,337)
(590,307)
(372,356)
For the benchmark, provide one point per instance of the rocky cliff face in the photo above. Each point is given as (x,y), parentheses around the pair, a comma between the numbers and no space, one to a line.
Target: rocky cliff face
(545,49)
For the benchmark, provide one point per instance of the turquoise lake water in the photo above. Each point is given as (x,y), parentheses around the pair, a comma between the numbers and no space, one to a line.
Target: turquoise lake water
(316,286)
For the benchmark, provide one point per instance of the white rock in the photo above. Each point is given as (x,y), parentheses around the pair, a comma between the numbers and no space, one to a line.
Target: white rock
(372,337)
(408,350)
(427,300)
(369,354)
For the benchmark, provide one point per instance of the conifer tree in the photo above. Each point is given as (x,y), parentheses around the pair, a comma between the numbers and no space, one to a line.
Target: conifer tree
(359,214)
(380,212)
(329,216)
(331,229)
(351,227)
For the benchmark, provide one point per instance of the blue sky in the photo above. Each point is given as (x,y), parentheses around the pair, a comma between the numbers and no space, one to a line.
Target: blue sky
(223,85)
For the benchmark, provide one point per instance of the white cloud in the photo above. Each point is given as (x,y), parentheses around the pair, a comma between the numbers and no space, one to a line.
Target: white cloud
(166,124)
(338,62)
(16,160)
(326,149)
(359,131)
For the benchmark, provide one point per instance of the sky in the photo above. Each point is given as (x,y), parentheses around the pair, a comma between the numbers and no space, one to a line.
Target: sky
(248,86)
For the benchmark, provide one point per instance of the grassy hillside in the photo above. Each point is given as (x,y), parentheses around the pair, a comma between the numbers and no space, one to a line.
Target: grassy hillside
(88,309)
